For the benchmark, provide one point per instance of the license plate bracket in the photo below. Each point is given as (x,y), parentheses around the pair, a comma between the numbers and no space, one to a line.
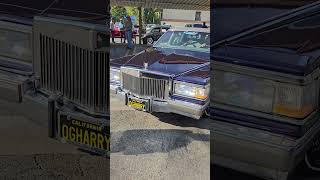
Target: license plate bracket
(138,103)
(84,132)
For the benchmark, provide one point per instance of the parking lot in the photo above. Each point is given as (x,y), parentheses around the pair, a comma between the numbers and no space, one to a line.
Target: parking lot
(153,146)
(157,146)
(27,153)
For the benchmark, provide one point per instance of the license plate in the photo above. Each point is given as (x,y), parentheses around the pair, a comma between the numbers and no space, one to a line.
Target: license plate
(137,104)
(86,134)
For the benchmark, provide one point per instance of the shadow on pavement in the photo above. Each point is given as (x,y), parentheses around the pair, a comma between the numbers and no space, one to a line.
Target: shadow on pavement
(146,141)
(183,121)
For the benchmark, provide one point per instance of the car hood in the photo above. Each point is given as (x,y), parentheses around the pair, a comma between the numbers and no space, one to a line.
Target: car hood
(272,60)
(288,43)
(84,11)
(165,61)
(199,76)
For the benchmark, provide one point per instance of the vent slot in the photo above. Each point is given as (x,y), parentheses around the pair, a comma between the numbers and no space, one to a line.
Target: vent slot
(144,86)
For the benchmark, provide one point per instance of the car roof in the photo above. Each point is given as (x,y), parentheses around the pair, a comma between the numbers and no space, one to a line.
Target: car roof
(207,30)
(158,26)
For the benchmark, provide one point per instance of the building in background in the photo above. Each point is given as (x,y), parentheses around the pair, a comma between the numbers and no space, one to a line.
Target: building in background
(180,18)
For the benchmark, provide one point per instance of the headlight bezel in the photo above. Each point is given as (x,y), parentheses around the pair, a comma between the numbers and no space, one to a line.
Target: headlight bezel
(114,72)
(277,107)
(20,46)
(200,92)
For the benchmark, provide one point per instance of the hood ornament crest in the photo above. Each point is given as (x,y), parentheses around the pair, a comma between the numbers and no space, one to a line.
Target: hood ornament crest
(145,65)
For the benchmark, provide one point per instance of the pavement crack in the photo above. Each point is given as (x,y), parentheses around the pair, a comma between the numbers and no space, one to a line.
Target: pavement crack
(79,166)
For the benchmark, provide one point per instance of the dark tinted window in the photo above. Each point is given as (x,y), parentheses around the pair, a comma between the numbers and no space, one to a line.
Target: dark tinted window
(197,25)
(198,16)
(155,30)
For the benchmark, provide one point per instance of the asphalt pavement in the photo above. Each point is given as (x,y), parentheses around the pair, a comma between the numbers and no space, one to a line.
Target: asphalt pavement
(167,146)
(26,153)
(144,146)
(157,146)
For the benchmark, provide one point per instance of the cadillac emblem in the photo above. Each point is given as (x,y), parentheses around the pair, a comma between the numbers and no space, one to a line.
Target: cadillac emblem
(145,65)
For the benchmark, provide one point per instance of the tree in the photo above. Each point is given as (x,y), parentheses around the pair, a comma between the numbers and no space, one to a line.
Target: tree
(133,11)
(118,11)
(152,16)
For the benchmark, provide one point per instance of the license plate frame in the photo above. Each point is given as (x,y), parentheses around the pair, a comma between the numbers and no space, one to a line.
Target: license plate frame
(95,136)
(138,103)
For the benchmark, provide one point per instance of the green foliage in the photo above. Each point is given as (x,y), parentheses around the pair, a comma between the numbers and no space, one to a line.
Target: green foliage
(133,11)
(118,11)
(149,15)
(152,15)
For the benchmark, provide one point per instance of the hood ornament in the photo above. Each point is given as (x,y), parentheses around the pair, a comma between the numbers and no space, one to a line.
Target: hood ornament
(145,65)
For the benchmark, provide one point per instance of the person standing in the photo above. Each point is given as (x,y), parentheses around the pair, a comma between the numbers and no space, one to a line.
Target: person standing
(112,23)
(204,25)
(128,31)
(122,31)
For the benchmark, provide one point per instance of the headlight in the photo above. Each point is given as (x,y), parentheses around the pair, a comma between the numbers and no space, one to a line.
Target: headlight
(191,90)
(264,95)
(295,101)
(16,45)
(114,75)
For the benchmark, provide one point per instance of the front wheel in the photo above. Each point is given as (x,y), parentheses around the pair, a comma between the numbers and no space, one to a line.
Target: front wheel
(150,41)
(313,163)
(312,156)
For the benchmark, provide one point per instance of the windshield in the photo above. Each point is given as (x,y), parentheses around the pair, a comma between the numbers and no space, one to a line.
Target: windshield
(188,40)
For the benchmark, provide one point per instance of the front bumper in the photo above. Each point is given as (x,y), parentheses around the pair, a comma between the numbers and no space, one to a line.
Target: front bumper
(258,152)
(19,92)
(188,109)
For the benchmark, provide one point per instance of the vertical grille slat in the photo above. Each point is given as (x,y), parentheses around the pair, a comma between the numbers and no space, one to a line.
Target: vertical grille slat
(144,86)
(77,73)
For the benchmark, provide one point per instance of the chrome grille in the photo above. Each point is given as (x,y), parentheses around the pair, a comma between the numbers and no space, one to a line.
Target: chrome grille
(77,73)
(144,86)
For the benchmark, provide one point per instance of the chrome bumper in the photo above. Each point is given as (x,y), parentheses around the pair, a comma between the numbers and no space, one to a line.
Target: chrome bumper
(257,152)
(191,110)
(17,90)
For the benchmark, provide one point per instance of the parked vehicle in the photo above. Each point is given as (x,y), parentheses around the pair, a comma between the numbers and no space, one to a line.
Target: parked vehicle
(149,26)
(264,98)
(44,53)
(117,30)
(136,30)
(171,77)
(194,25)
(154,34)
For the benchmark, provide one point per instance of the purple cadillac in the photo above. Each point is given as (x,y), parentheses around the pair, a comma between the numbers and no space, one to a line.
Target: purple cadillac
(173,76)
